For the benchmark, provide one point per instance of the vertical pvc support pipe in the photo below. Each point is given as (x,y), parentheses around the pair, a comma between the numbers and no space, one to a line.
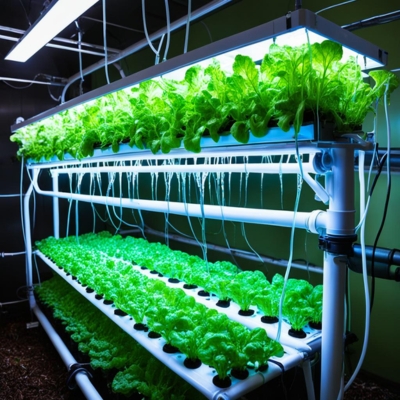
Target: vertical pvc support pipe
(306,366)
(56,210)
(340,223)
(28,242)
(81,378)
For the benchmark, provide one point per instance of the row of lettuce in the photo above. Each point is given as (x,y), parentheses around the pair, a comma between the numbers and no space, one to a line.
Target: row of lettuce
(196,331)
(110,348)
(104,262)
(162,114)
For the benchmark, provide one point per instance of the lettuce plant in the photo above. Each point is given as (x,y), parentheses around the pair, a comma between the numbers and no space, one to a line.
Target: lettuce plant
(315,302)
(268,301)
(292,83)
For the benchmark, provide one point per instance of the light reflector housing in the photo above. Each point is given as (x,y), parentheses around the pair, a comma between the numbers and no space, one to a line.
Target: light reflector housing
(53,20)
(293,29)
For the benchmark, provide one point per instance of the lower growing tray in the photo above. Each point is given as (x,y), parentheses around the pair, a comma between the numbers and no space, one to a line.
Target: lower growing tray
(200,378)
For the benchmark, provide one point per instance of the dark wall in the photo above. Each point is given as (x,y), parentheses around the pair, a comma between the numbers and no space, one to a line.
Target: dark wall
(26,103)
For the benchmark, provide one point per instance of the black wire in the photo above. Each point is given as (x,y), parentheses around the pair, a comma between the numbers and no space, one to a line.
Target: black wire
(280,365)
(26,13)
(389,187)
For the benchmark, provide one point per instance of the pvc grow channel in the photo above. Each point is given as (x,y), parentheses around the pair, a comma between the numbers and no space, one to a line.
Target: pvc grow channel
(333,159)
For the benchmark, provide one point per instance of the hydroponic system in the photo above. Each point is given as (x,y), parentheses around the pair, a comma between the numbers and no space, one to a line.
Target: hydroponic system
(249,104)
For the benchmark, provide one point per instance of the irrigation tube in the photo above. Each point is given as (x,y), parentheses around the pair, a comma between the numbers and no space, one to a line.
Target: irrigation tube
(143,43)
(313,221)
(81,378)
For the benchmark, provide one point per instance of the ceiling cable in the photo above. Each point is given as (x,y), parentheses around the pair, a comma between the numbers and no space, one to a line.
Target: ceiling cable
(80,57)
(334,6)
(155,51)
(376,20)
(168,30)
(105,44)
(185,48)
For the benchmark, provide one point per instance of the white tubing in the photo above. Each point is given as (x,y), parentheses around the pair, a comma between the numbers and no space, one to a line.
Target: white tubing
(361,157)
(81,378)
(265,168)
(238,214)
(306,366)
(28,240)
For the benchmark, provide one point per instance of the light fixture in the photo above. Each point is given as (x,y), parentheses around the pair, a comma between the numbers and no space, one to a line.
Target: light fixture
(295,28)
(58,15)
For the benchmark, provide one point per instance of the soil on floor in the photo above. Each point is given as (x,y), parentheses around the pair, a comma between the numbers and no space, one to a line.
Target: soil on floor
(30,369)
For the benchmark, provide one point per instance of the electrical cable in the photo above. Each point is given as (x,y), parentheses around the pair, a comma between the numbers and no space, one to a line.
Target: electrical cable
(380,168)
(185,47)
(57,99)
(361,157)
(242,227)
(208,30)
(146,32)
(37,269)
(21,196)
(19,253)
(168,30)
(388,191)
(105,42)
(291,245)
(281,366)
(18,87)
(157,60)
(10,195)
(334,6)
(26,13)
(80,57)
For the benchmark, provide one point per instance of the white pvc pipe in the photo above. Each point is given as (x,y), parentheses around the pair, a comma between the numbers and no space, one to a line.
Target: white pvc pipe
(313,221)
(28,241)
(340,186)
(56,212)
(81,378)
(332,348)
(340,223)
(266,168)
(306,366)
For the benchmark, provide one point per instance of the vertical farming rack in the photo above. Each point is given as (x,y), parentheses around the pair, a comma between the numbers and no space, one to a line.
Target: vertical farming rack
(335,227)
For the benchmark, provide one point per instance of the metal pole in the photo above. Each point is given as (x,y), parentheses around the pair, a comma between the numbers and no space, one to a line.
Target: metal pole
(56,210)
(28,243)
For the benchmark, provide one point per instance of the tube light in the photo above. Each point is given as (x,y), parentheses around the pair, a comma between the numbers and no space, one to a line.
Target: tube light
(53,20)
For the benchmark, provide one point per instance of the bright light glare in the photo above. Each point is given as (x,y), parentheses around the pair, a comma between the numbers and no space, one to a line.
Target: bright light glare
(53,22)
(258,50)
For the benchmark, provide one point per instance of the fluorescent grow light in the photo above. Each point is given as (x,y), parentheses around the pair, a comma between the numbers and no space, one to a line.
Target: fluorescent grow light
(296,28)
(52,21)
(292,38)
